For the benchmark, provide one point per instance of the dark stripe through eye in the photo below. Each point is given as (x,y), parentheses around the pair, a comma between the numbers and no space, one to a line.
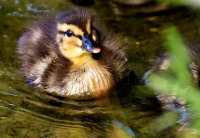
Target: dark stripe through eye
(79,36)
(61,32)
(68,33)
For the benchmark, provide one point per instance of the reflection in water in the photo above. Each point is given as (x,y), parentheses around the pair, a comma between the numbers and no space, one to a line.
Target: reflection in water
(29,113)
(25,112)
(50,117)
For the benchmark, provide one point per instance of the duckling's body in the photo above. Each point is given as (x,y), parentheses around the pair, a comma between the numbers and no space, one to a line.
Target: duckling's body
(67,56)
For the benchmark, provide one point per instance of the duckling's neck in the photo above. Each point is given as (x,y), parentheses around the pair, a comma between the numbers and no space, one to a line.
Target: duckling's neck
(88,78)
(83,59)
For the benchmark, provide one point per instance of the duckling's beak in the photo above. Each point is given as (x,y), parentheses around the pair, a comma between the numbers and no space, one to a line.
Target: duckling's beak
(89,45)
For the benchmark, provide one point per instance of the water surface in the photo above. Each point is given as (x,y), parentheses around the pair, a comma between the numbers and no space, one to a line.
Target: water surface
(25,112)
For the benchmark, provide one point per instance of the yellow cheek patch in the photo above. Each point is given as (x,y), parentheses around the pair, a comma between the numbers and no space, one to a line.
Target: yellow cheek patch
(73,28)
(76,55)
(70,51)
(71,41)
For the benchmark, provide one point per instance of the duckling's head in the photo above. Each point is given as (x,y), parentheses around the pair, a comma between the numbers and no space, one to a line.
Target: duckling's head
(76,36)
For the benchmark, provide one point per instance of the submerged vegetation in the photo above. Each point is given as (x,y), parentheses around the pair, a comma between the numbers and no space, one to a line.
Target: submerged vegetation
(177,80)
(180,83)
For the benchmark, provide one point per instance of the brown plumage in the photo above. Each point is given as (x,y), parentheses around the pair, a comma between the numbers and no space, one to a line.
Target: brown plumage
(57,58)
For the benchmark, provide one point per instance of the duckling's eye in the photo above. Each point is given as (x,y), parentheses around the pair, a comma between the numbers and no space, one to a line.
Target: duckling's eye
(68,33)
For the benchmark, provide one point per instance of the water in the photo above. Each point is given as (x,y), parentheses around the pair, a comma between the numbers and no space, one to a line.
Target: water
(25,112)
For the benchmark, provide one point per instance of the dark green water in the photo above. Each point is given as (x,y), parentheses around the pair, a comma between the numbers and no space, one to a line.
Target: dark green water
(27,113)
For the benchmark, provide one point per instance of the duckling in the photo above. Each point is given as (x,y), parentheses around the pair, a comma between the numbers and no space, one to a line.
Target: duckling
(68,56)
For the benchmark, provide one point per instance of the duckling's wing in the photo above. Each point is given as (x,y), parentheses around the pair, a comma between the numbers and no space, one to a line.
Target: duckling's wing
(36,49)
(114,55)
